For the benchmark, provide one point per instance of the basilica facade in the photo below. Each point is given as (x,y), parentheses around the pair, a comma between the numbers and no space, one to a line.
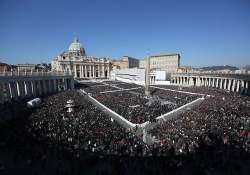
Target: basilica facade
(80,65)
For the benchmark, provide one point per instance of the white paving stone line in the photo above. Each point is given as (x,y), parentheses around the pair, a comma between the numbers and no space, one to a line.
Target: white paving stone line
(112,85)
(185,92)
(172,114)
(99,85)
(121,120)
(119,90)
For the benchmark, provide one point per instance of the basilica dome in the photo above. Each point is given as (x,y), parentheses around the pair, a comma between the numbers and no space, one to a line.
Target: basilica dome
(76,48)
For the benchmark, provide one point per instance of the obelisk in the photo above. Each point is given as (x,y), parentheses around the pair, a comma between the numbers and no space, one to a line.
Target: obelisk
(147,71)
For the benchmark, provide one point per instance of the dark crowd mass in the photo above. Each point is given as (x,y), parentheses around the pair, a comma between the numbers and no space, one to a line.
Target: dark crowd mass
(212,138)
(134,106)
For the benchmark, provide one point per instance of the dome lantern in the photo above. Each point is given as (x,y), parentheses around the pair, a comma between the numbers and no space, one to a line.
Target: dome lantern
(76,48)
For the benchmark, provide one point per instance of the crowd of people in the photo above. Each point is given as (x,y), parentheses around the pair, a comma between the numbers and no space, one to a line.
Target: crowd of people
(212,138)
(137,108)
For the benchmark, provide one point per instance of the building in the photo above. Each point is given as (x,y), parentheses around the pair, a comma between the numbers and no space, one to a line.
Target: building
(166,62)
(137,76)
(185,69)
(31,67)
(82,66)
(125,63)
(25,67)
(5,67)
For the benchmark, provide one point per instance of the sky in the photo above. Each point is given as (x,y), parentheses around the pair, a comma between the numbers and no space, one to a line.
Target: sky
(203,32)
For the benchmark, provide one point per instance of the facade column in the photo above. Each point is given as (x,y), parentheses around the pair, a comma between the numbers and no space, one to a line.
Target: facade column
(85,70)
(108,70)
(75,73)
(93,70)
(90,71)
(80,67)
(98,68)
(103,70)
(72,85)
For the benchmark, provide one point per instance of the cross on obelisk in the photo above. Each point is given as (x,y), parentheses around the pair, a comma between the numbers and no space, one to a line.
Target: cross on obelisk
(147,71)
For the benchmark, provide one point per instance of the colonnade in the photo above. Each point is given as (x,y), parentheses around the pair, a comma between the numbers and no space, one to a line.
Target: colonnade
(227,83)
(19,87)
(91,70)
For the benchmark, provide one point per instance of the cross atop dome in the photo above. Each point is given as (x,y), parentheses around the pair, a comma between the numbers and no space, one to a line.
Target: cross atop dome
(76,40)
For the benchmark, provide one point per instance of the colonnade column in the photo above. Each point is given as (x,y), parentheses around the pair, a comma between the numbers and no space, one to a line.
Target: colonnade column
(215,82)
(238,86)
(191,81)
(225,84)
(65,84)
(13,90)
(229,84)
(28,89)
(246,88)
(7,91)
(57,85)
(21,91)
(34,88)
(233,86)
(51,88)
(221,83)
(1,93)
(198,83)
(44,85)
(242,86)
